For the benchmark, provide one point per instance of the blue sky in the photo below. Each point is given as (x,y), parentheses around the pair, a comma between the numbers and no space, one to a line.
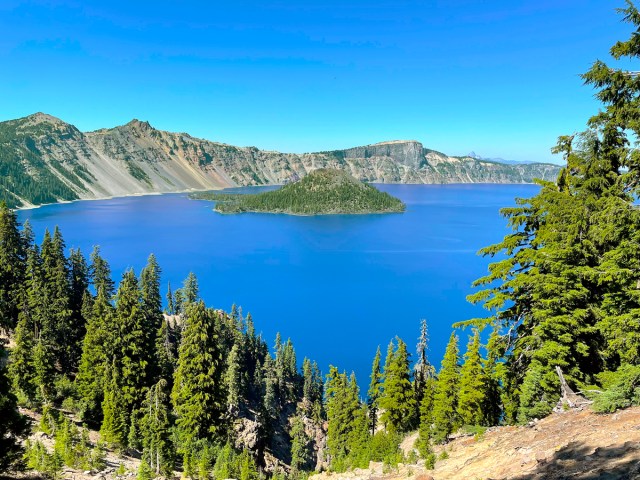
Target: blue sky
(497,77)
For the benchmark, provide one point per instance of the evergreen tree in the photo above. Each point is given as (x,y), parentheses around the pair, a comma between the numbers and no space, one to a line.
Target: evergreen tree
(12,268)
(445,401)
(100,273)
(197,385)
(232,380)
(156,441)
(423,370)
(397,399)
(301,447)
(426,419)
(494,373)
(131,358)
(98,350)
(79,289)
(375,389)
(58,322)
(344,415)
(473,385)
(190,290)
(13,426)
(114,410)
(153,319)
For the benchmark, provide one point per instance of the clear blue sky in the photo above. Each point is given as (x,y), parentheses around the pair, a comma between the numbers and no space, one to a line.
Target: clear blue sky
(497,77)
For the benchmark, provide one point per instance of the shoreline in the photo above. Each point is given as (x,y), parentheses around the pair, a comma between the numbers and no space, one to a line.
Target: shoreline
(193,190)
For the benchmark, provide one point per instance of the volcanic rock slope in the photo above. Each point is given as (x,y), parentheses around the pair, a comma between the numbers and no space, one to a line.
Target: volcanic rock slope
(43,160)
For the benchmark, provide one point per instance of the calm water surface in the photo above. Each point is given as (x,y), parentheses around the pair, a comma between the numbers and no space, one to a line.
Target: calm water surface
(338,285)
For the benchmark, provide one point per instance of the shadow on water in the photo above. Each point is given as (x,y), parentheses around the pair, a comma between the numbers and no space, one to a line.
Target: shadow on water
(577,461)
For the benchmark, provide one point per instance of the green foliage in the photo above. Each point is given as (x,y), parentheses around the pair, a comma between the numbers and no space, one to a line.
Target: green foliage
(231,464)
(37,458)
(445,401)
(301,447)
(397,400)
(13,426)
(197,393)
(621,389)
(375,390)
(323,191)
(385,447)
(473,385)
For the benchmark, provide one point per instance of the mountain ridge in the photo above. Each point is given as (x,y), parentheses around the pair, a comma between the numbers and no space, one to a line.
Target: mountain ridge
(44,159)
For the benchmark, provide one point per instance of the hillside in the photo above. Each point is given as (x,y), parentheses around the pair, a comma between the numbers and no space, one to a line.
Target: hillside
(579,445)
(44,159)
(323,191)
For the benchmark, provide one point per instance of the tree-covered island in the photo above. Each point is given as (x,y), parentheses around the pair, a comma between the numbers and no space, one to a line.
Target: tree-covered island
(322,192)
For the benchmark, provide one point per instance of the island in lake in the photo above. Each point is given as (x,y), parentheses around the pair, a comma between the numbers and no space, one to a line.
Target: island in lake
(322,192)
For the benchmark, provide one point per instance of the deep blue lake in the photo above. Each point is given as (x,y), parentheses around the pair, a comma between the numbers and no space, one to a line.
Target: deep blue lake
(337,285)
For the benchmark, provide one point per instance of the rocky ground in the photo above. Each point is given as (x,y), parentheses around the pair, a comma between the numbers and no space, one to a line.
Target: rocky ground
(578,445)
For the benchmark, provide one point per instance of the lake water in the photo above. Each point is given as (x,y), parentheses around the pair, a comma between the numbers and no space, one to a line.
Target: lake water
(338,285)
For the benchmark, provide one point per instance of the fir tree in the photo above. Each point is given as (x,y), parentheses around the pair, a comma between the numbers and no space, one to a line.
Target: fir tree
(151,303)
(197,385)
(397,399)
(79,289)
(232,381)
(445,401)
(301,447)
(494,373)
(473,385)
(156,438)
(423,370)
(100,274)
(13,426)
(375,389)
(98,350)
(114,411)
(131,356)
(12,268)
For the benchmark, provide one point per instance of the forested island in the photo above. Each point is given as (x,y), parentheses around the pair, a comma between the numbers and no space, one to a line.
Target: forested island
(324,191)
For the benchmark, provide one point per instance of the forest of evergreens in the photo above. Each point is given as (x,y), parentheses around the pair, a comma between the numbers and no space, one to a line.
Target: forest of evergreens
(323,191)
(179,384)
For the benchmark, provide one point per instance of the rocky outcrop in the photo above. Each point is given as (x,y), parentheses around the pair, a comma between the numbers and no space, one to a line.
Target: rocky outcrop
(136,158)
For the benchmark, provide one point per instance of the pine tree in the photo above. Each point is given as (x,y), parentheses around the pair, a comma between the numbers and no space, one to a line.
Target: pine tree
(114,411)
(494,373)
(58,323)
(473,385)
(197,385)
(426,420)
(100,274)
(301,448)
(131,358)
(344,415)
(151,303)
(190,290)
(98,351)
(12,268)
(397,399)
(232,381)
(423,370)
(79,289)
(375,389)
(13,426)
(156,431)
(445,401)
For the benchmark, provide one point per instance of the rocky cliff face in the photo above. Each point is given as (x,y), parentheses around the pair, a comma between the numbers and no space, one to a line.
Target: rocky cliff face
(41,150)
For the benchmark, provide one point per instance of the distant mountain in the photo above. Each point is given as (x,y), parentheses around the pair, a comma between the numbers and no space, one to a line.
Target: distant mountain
(473,154)
(45,160)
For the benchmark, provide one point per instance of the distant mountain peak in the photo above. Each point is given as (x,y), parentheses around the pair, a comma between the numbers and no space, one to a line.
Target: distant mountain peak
(473,154)
(140,124)
(40,117)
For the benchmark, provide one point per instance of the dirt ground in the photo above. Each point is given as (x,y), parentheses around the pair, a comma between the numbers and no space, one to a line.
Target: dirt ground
(577,445)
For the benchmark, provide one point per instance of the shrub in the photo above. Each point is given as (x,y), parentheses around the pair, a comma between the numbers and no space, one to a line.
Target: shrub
(621,389)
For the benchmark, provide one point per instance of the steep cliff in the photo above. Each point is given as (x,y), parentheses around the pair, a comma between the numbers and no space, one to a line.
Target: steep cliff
(44,160)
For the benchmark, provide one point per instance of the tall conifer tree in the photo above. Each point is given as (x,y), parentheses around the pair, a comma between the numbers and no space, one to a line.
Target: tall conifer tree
(445,401)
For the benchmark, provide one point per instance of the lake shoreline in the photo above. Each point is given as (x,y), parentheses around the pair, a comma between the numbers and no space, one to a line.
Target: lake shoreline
(196,190)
